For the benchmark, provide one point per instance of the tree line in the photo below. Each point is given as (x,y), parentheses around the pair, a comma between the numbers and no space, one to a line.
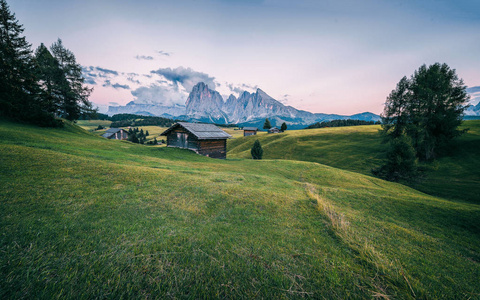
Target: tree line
(38,87)
(125,120)
(340,123)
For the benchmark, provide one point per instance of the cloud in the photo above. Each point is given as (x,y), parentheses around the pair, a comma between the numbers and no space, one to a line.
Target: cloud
(131,79)
(234,89)
(114,103)
(90,80)
(240,88)
(284,99)
(160,94)
(473,89)
(108,83)
(474,93)
(120,86)
(106,71)
(90,77)
(163,53)
(143,57)
(186,77)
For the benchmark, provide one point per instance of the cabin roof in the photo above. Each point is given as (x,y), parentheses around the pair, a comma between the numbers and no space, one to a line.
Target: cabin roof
(250,128)
(107,134)
(201,131)
(113,130)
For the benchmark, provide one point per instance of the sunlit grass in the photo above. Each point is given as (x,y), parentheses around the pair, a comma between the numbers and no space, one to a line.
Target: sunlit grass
(86,217)
(456,175)
(91,125)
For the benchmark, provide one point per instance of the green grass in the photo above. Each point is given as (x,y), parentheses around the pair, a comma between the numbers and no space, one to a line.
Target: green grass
(455,176)
(354,148)
(91,125)
(86,217)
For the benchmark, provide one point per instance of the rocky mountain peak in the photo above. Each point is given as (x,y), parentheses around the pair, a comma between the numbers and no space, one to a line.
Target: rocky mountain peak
(207,105)
(201,86)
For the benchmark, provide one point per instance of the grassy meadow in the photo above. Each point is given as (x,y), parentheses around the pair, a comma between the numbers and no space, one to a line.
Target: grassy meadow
(92,125)
(359,148)
(85,217)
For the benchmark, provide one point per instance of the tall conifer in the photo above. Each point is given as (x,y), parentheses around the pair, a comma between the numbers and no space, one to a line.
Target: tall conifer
(19,91)
(74,93)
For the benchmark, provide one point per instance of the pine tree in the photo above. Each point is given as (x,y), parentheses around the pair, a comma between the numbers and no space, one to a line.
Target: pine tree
(74,93)
(267,124)
(284,127)
(50,78)
(19,92)
(256,151)
(133,138)
(146,133)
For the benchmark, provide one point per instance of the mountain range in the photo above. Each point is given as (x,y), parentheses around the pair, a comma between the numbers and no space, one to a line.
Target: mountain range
(206,105)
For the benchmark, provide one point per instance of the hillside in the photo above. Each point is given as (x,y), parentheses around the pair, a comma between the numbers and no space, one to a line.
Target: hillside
(359,149)
(85,217)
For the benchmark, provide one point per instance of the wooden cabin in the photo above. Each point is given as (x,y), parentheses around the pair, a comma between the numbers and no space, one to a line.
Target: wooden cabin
(116,134)
(204,139)
(249,131)
(274,130)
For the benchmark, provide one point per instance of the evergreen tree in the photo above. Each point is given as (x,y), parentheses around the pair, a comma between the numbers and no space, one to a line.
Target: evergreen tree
(141,134)
(401,161)
(19,92)
(256,151)
(130,131)
(100,127)
(428,108)
(73,92)
(267,124)
(284,127)
(146,133)
(133,138)
(155,142)
(50,78)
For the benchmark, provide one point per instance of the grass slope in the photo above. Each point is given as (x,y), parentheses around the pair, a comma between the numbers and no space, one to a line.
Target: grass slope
(359,149)
(85,217)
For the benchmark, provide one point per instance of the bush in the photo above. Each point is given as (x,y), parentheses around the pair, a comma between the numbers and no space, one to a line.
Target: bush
(401,161)
(257,151)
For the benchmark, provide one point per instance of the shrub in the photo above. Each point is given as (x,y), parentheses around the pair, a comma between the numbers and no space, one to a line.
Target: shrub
(257,151)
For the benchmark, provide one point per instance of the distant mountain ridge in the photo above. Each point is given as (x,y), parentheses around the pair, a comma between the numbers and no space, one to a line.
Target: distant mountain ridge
(206,105)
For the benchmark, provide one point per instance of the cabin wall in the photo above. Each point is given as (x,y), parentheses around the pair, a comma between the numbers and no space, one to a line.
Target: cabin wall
(188,141)
(121,135)
(213,148)
(249,132)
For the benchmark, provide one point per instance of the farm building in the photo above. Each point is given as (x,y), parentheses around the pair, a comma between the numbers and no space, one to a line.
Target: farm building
(204,139)
(249,131)
(274,130)
(115,134)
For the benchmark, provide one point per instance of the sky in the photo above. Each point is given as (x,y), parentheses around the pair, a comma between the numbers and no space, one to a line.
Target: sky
(341,57)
